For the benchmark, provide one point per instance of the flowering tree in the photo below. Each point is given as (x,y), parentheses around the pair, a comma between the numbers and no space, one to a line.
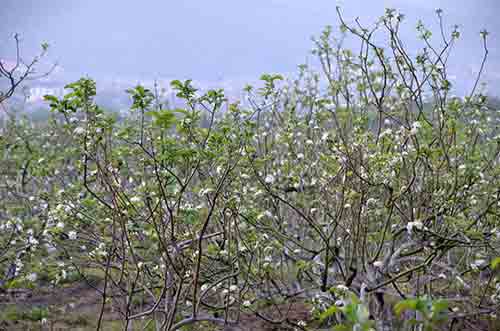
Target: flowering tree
(364,189)
(373,187)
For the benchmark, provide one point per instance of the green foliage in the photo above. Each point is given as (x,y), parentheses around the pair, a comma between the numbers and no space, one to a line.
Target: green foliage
(346,179)
(185,90)
(432,313)
(495,263)
(14,314)
(142,97)
(355,312)
(164,118)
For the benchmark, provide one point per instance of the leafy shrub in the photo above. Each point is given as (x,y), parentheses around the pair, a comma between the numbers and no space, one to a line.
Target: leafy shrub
(349,188)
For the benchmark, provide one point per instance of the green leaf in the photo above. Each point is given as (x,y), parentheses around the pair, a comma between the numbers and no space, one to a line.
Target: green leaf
(495,262)
(351,312)
(164,118)
(341,327)
(50,98)
(329,312)
(422,305)
(439,306)
(409,304)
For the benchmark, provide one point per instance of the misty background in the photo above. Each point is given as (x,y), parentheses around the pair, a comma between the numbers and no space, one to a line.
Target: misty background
(222,40)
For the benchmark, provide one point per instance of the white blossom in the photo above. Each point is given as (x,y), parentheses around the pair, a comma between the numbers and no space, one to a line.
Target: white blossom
(414,128)
(342,288)
(417,225)
(269,179)
(32,277)
(79,130)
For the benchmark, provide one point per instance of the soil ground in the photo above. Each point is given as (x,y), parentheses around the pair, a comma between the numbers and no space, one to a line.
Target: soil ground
(76,307)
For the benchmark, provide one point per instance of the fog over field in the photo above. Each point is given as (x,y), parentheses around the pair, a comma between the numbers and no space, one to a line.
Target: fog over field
(222,40)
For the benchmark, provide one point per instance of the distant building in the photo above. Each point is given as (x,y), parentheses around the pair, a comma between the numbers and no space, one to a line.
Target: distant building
(36,94)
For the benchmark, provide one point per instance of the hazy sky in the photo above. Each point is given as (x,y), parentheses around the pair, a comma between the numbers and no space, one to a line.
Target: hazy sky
(212,39)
